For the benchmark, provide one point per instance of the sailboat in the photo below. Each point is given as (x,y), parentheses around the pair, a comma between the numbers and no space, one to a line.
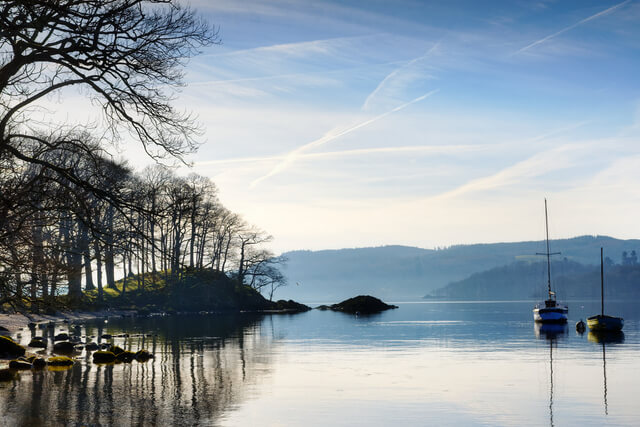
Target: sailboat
(550,311)
(601,322)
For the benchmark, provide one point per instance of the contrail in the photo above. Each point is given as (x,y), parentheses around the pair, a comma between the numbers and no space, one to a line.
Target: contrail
(394,73)
(356,152)
(294,154)
(570,27)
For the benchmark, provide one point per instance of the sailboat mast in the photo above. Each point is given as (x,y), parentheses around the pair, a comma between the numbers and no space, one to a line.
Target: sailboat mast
(546,220)
(601,283)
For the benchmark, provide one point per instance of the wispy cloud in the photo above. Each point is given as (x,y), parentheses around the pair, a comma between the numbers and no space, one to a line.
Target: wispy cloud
(570,27)
(293,155)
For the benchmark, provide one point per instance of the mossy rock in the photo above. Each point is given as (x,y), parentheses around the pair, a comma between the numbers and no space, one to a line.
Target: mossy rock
(10,347)
(103,357)
(19,365)
(30,359)
(59,368)
(39,363)
(7,374)
(116,350)
(63,347)
(125,356)
(143,356)
(60,361)
(38,342)
(61,337)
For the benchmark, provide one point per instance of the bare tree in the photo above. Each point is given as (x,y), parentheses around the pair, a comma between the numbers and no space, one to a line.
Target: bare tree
(123,53)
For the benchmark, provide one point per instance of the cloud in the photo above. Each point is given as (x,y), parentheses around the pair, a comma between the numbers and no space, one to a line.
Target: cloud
(293,155)
(570,27)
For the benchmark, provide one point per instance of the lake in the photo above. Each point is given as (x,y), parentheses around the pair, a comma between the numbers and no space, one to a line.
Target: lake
(425,363)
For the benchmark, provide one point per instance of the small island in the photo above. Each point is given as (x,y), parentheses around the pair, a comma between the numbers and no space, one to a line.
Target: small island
(362,304)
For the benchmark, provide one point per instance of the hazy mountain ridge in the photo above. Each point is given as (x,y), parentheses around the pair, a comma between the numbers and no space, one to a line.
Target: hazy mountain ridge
(523,280)
(404,272)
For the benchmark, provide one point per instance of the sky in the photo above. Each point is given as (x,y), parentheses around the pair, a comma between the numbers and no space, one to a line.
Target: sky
(334,124)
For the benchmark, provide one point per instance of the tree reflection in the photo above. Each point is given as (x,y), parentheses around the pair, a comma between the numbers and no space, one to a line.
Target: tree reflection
(202,367)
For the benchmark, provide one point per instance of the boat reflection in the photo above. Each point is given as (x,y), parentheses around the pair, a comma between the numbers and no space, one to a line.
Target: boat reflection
(552,332)
(604,338)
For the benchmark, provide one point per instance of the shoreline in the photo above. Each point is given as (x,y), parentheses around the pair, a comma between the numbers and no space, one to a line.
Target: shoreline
(15,322)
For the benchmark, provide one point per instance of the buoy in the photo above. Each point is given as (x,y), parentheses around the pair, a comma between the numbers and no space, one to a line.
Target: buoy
(580,327)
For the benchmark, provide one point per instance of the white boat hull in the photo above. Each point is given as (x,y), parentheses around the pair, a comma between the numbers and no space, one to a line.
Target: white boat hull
(558,314)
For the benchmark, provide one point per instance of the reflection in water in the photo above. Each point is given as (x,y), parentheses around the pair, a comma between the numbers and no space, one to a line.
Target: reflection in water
(202,366)
(551,332)
(604,337)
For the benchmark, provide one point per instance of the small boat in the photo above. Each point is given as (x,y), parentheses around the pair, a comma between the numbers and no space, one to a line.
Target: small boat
(550,311)
(601,322)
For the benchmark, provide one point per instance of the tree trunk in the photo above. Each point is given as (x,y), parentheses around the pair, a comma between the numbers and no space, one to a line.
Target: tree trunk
(109,262)
(86,253)
(98,255)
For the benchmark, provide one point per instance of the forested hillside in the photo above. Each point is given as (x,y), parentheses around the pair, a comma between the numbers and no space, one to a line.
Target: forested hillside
(523,280)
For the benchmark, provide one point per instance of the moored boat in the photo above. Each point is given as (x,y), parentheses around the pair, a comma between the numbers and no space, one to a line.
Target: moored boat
(550,311)
(602,322)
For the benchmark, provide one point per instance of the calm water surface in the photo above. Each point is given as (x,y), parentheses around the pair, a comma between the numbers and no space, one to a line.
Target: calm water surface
(423,364)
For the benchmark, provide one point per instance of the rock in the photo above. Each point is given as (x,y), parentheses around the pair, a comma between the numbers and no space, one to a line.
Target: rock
(115,349)
(103,357)
(291,306)
(38,342)
(3,329)
(63,347)
(60,361)
(32,325)
(92,346)
(143,356)
(362,304)
(10,347)
(125,356)
(7,374)
(61,337)
(105,346)
(39,363)
(19,365)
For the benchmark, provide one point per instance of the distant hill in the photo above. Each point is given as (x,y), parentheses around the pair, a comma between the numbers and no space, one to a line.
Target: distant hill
(524,280)
(394,273)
